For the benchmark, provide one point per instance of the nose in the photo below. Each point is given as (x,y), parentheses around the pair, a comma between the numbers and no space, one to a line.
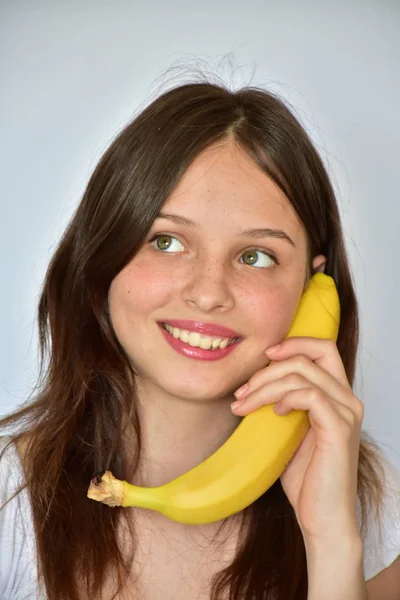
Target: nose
(207,287)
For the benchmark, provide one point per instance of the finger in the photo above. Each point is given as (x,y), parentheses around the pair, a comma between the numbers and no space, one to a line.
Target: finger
(298,364)
(336,421)
(277,390)
(298,371)
(324,353)
(269,393)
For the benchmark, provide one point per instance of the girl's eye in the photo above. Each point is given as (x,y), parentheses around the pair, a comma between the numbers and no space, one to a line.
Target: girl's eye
(165,243)
(251,258)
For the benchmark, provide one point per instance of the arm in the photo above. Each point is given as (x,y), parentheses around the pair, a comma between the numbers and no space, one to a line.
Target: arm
(336,572)
(338,575)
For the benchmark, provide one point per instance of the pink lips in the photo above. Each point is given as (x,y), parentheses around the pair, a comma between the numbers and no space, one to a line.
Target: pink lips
(196,352)
(211,329)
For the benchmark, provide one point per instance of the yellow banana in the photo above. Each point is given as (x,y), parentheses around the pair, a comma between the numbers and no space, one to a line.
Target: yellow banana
(254,456)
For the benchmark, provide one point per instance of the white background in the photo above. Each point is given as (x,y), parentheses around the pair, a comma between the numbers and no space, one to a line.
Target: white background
(73,73)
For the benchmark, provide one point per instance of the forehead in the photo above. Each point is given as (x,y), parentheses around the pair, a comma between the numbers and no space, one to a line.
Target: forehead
(223,187)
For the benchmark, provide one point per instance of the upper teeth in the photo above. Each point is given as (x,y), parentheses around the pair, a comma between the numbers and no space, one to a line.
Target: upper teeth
(196,339)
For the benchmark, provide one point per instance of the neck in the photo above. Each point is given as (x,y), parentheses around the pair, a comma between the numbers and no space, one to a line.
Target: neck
(177,434)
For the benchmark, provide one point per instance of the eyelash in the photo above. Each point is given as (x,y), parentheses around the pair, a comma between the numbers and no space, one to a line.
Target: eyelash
(262,250)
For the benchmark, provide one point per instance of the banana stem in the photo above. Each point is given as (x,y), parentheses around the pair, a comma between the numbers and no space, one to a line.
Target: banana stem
(114,492)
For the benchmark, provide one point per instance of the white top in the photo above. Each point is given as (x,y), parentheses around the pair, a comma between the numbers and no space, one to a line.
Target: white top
(18,575)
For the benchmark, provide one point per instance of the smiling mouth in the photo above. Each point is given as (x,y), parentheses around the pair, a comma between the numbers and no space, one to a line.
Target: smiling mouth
(197,340)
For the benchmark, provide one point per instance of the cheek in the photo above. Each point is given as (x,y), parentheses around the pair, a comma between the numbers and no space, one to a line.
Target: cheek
(138,289)
(272,312)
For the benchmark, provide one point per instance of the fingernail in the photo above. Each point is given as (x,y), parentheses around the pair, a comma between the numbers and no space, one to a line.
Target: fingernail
(273,349)
(236,404)
(240,392)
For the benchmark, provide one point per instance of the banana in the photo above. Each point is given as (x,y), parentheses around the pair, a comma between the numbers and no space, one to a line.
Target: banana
(254,456)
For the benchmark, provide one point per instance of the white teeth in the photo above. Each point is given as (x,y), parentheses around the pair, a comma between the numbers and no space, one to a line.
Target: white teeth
(205,343)
(194,339)
(197,340)
(184,336)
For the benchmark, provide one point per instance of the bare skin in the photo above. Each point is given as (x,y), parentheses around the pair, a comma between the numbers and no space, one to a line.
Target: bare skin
(174,561)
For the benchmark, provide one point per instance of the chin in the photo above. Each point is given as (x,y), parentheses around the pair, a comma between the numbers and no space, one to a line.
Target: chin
(197,393)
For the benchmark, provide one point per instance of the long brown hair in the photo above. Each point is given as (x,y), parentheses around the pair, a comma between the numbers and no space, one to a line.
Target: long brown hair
(75,423)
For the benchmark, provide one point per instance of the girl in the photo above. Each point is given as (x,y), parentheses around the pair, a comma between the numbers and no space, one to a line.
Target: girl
(211,208)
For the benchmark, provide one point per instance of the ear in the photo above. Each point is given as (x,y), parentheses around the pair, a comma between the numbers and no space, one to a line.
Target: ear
(318,263)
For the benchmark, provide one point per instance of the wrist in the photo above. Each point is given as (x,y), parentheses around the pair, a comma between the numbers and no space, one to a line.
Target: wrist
(344,544)
(336,570)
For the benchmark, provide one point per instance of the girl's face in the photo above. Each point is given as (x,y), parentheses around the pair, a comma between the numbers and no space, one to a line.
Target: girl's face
(212,271)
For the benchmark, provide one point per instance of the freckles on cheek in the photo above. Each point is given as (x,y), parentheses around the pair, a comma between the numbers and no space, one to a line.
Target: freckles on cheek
(273,313)
(141,286)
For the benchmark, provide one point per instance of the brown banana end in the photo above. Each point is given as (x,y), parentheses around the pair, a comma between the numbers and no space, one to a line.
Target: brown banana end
(106,489)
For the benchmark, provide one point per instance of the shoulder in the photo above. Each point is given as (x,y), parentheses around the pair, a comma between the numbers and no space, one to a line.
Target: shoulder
(17,544)
(382,536)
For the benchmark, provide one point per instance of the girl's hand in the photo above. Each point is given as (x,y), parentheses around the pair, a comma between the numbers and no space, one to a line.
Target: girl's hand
(321,479)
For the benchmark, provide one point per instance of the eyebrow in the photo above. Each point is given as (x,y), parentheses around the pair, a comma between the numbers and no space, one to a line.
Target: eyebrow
(251,233)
